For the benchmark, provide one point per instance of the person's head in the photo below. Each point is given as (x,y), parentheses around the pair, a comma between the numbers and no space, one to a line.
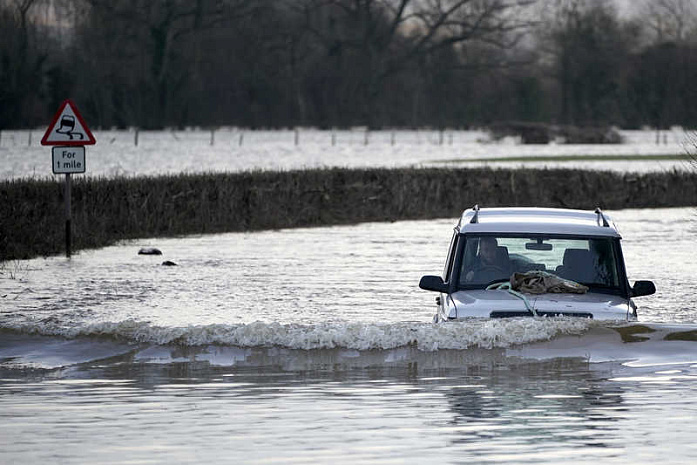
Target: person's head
(487,250)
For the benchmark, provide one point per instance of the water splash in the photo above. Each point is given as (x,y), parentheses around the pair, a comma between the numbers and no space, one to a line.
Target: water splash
(486,334)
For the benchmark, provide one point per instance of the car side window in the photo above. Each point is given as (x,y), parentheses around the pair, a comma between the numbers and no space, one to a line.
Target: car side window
(469,258)
(448,271)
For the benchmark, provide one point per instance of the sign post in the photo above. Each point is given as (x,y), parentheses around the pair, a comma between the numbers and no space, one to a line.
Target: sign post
(69,134)
(68,216)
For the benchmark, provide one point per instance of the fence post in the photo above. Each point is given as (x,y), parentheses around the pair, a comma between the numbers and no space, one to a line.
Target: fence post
(212,136)
(365,138)
(392,137)
(333,137)
(135,138)
(297,136)
(241,138)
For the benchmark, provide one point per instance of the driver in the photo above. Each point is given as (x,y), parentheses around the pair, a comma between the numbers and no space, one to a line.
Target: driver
(488,266)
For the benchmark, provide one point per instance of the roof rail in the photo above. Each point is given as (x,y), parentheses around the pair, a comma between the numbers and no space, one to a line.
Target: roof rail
(475,218)
(599,212)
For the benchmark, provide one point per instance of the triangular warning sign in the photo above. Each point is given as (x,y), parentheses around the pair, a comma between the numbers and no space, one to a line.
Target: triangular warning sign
(68,128)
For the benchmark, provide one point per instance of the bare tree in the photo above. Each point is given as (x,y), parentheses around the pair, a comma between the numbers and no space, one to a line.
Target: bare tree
(148,54)
(669,20)
(372,41)
(22,59)
(586,48)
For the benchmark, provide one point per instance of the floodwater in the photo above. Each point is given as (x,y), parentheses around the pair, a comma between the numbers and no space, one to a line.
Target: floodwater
(131,153)
(316,346)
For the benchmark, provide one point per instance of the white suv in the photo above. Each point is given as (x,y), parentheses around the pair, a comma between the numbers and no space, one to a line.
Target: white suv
(575,253)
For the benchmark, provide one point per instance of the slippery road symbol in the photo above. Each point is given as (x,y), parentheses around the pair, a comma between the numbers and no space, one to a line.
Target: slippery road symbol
(67,127)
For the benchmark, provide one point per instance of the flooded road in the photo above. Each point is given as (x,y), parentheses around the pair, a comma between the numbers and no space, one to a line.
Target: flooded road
(316,345)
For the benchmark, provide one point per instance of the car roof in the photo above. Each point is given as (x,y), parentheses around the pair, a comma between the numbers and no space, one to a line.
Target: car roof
(537,221)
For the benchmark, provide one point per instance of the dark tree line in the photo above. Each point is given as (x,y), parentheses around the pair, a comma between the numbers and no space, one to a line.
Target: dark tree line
(338,63)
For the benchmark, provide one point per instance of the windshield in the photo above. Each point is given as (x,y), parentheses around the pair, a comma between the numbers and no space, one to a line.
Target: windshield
(488,259)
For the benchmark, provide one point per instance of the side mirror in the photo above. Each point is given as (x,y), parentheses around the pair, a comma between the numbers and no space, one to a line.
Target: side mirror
(433,283)
(643,288)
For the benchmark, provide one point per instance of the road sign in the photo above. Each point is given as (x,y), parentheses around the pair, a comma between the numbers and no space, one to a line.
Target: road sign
(68,128)
(68,160)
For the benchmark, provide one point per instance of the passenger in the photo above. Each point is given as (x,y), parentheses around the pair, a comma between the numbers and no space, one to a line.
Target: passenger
(602,252)
(491,263)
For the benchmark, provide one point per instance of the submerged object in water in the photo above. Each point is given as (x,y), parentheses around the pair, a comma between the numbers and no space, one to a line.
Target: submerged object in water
(149,251)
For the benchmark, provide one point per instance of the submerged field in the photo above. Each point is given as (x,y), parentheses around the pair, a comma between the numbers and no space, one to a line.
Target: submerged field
(106,210)
(156,153)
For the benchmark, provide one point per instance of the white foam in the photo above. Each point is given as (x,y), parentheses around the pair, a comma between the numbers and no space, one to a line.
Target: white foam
(485,334)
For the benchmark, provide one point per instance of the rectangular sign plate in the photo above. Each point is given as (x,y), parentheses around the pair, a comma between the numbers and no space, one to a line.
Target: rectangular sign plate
(68,160)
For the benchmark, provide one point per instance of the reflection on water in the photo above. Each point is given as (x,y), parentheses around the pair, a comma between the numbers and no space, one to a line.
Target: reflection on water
(536,410)
(488,410)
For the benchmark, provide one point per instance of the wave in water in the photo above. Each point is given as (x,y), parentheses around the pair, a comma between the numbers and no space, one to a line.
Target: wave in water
(486,334)
(354,345)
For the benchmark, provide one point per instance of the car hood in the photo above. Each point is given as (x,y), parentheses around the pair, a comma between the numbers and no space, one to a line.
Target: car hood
(492,303)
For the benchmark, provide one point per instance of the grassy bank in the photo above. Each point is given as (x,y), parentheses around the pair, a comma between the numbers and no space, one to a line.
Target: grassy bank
(108,210)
